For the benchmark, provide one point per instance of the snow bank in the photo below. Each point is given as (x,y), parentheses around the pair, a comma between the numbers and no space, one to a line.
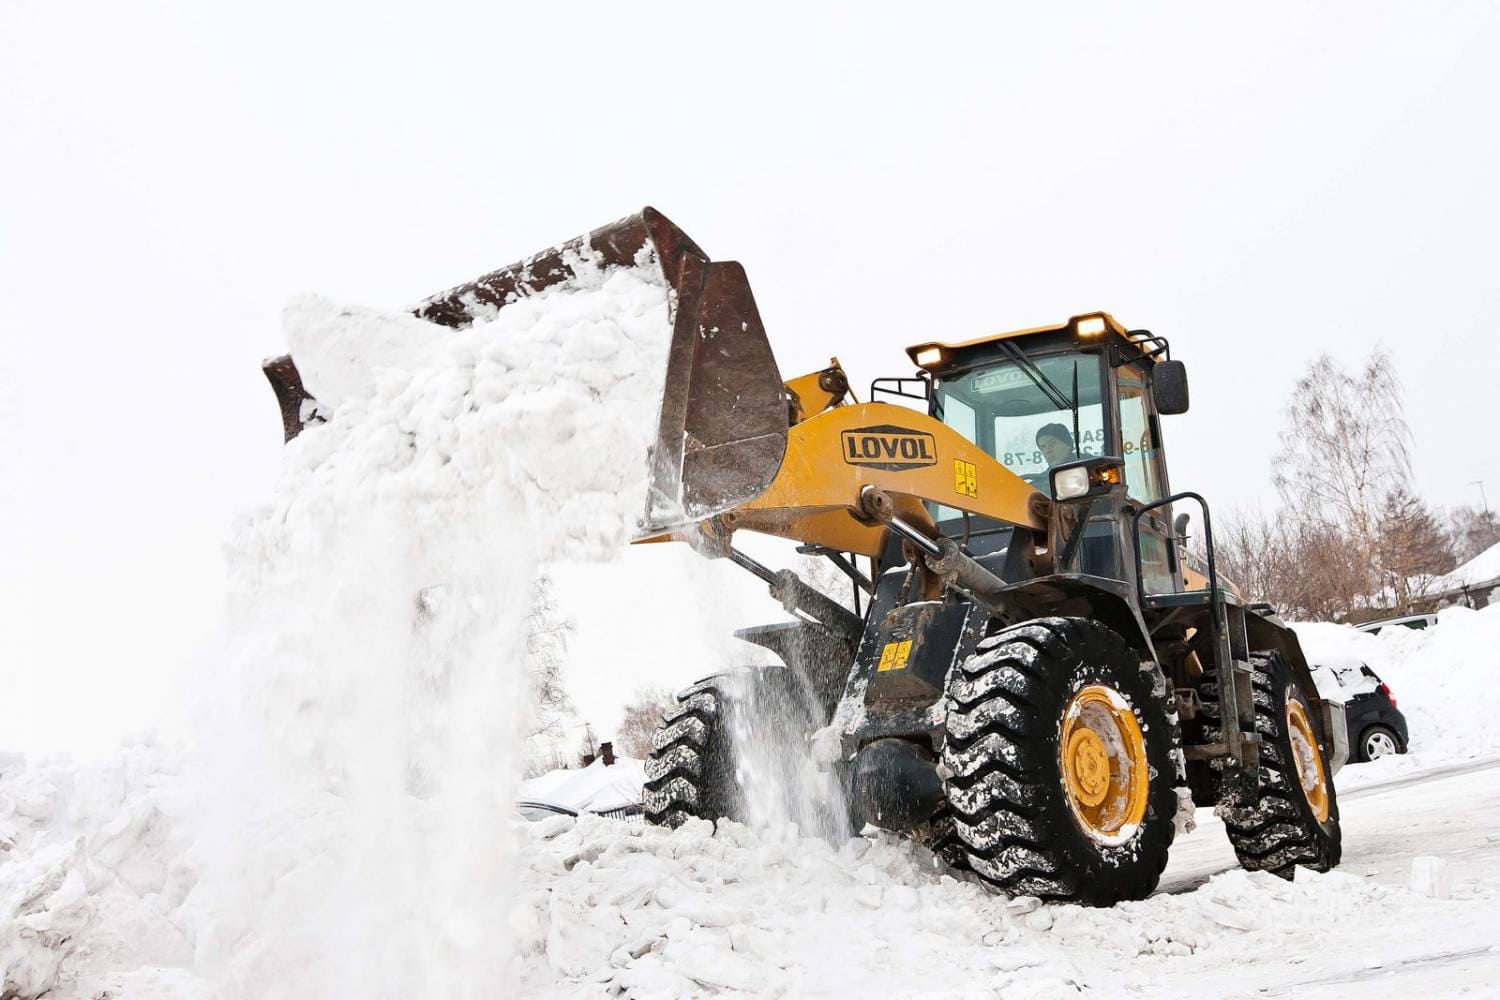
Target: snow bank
(343,829)
(1443,678)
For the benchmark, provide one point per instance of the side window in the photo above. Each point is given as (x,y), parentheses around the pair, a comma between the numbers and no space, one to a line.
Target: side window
(1135,440)
(960,416)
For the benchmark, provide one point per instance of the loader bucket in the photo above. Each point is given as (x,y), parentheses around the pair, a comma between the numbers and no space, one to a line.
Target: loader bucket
(724,412)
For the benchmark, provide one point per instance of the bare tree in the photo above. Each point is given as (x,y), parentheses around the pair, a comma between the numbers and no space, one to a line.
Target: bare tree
(543,755)
(640,721)
(1345,446)
(1256,553)
(1332,573)
(1306,569)
(1345,450)
(547,630)
(1473,529)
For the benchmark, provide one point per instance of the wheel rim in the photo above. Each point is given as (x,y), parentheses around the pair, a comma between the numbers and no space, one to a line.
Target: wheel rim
(1104,764)
(1307,759)
(1378,745)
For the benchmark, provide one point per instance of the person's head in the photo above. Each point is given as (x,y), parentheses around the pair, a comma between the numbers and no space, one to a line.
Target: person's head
(1056,444)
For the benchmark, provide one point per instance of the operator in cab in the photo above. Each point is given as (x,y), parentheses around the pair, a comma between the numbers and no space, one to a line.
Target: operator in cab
(1056,445)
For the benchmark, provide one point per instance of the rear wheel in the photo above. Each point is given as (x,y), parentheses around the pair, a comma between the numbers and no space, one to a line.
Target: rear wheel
(1378,741)
(1059,755)
(1295,821)
(734,744)
(690,772)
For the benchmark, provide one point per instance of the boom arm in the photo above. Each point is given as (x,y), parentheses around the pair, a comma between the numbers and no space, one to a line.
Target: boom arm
(833,456)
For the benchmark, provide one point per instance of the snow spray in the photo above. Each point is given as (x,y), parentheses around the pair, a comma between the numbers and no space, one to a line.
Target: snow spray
(360,804)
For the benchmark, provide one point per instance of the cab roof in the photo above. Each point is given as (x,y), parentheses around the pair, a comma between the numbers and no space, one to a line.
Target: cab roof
(921,356)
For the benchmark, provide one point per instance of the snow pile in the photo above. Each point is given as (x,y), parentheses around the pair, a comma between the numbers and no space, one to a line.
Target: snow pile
(596,788)
(344,829)
(638,911)
(1443,678)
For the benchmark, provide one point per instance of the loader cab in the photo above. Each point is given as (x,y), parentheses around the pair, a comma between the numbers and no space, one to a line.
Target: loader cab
(1044,397)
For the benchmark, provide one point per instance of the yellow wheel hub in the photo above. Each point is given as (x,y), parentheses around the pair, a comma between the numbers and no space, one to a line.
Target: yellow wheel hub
(1306,759)
(1104,764)
(1088,765)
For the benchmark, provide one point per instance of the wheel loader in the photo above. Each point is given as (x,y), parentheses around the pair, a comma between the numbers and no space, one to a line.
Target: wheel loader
(1034,674)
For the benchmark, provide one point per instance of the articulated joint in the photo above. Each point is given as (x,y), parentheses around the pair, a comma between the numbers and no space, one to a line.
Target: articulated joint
(943,557)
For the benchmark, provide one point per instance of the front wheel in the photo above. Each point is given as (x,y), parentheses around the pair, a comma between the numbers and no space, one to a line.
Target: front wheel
(1059,762)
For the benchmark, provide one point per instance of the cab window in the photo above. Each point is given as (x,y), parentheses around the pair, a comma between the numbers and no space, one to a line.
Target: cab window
(1027,416)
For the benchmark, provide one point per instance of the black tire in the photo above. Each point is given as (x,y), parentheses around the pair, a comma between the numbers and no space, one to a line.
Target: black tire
(1005,785)
(690,772)
(1368,753)
(693,769)
(1281,829)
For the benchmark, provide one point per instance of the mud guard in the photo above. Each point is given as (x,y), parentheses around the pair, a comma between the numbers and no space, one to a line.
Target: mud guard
(1268,632)
(1108,601)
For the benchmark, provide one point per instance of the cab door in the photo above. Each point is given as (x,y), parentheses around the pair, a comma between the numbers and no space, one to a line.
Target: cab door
(1145,478)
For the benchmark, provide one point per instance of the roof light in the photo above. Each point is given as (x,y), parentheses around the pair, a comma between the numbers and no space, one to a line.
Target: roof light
(1091,326)
(929,356)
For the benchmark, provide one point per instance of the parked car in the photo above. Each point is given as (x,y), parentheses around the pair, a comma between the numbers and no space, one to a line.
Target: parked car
(1405,621)
(537,811)
(1377,727)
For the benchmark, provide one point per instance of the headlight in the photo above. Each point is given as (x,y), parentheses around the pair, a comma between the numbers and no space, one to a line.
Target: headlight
(1087,477)
(1070,483)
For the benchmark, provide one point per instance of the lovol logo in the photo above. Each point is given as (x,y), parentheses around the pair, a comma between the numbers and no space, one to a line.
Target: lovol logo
(888,447)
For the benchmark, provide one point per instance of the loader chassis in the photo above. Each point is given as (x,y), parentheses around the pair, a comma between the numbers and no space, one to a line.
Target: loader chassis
(1039,663)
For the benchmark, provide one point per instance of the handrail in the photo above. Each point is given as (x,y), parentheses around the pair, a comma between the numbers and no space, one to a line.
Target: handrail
(1215,598)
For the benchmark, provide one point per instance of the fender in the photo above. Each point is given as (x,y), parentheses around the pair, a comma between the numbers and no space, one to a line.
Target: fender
(1106,600)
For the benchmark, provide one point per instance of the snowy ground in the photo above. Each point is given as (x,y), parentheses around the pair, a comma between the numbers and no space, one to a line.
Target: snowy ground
(101,886)
(653,913)
(611,909)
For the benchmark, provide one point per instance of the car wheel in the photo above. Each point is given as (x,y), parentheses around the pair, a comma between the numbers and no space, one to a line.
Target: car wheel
(1378,741)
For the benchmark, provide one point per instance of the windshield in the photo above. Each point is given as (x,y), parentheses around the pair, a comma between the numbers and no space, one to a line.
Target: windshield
(1021,411)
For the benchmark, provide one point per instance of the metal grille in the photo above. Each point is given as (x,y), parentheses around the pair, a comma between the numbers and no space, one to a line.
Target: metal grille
(625,814)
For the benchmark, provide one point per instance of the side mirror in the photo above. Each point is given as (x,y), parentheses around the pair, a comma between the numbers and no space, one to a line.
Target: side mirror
(1180,525)
(1170,387)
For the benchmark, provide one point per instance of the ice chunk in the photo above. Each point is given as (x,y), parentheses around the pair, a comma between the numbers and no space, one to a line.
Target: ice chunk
(1429,876)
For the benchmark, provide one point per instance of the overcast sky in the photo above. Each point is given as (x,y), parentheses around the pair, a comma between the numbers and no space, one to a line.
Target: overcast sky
(1259,189)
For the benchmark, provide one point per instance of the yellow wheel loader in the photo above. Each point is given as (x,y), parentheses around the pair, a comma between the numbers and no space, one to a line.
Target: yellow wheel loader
(1034,675)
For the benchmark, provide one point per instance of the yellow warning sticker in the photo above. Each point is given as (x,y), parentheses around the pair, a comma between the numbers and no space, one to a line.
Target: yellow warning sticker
(894,656)
(965,478)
